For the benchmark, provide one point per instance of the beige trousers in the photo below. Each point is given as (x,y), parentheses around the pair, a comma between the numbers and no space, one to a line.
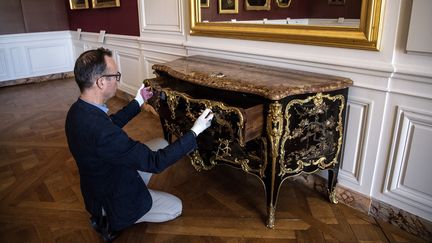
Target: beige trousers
(165,206)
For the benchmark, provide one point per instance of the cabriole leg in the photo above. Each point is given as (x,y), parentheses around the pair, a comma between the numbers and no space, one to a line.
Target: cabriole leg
(332,180)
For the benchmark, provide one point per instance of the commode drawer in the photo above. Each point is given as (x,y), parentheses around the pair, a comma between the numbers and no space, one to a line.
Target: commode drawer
(179,106)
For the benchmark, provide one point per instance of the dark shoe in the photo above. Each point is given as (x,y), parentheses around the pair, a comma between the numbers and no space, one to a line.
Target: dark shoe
(95,222)
(110,236)
(102,226)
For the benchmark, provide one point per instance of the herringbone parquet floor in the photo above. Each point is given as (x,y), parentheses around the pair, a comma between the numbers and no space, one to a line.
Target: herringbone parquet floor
(40,199)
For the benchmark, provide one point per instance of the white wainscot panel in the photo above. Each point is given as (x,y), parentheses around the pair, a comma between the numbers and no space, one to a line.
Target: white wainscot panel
(356,129)
(148,63)
(19,61)
(91,46)
(78,48)
(365,110)
(162,16)
(3,65)
(409,177)
(81,46)
(130,67)
(44,59)
(420,34)
(156,58)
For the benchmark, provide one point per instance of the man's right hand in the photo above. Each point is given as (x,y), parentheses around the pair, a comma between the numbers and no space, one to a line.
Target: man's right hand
(203,122)
(143,94)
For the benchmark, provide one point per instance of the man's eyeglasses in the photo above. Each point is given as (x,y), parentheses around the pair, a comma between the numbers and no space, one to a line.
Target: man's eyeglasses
(117,76)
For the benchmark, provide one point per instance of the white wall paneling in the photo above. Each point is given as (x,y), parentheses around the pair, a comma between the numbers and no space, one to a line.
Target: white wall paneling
(3,64)
(160,18)
(148,63)
(130,67)
(414,85)
(163,50)
(150,60)
(166,17)
(404,180)
(48,58)
(78,48)
(153,53)
(408,176)
(409,169)
(415,63)
(402,173)
(420,31)
(363,125)
(35,54)
(20,62)
(356,125)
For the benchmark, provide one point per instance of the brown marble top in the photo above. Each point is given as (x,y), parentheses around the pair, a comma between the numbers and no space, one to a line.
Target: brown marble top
(270,82)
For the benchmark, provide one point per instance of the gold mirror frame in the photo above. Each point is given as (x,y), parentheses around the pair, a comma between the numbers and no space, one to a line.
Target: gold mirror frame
(366,36)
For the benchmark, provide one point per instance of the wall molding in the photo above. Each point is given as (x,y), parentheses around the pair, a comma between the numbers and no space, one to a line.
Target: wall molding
(407,121)
(4,65)
(160,26)
(413,85)
(354,173)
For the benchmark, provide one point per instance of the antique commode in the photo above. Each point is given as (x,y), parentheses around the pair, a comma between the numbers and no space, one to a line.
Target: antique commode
(271,122)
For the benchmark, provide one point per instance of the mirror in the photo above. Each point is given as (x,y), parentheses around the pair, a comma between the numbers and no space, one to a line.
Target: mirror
(338,23)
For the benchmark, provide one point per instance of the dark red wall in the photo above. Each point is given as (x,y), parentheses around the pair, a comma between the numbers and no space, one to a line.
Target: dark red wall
(121,20)
(297,9)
